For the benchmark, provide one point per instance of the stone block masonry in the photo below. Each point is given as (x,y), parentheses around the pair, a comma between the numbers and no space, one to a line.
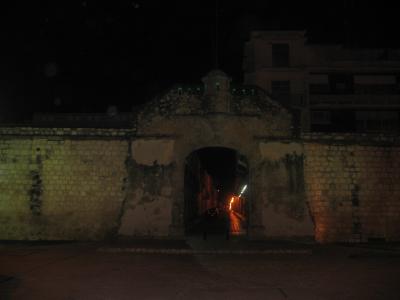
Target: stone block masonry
(61,184)
(91,184)
(353,187)
(94,183)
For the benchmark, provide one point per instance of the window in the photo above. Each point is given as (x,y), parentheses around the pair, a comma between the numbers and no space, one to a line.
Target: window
(280,87)
(321,117)
(319,83)
(319,89)
(398,82)
(377,121)
(341,83)
(280,91)
(280,55)
(375,84)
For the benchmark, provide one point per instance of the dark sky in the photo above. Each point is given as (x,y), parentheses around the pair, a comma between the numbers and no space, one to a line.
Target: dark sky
(81,56)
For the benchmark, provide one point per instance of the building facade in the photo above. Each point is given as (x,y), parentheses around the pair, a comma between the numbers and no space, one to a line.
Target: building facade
(328,87)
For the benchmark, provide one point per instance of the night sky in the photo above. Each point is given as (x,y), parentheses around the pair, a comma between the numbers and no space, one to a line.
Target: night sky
(82,56)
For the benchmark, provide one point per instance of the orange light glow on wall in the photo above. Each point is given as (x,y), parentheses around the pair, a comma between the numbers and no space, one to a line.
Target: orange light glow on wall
(231,202)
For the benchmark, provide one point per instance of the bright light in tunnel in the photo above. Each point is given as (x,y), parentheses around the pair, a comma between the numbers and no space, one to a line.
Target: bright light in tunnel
(231,202)
(243,189)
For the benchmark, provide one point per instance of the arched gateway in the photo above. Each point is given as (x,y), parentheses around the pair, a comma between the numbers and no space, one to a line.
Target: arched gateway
(215,180)
(215,115)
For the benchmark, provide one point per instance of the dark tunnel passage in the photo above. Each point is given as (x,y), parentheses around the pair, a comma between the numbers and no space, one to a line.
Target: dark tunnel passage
(214,179)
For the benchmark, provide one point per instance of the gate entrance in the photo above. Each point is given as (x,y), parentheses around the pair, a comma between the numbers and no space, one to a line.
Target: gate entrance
(215,191)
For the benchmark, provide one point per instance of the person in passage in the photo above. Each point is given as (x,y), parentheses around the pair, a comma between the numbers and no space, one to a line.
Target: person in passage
(210,221)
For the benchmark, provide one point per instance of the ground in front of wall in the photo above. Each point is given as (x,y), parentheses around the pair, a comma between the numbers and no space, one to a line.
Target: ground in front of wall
(82,271)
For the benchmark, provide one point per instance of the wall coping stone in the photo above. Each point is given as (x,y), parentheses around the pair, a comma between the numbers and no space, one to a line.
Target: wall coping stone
(352,138)
(40,131)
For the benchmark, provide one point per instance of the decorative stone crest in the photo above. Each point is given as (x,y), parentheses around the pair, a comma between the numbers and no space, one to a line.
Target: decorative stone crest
(217,91)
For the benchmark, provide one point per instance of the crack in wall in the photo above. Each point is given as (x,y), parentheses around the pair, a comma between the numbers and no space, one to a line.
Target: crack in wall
(126,185)
(145,187)
(36,190)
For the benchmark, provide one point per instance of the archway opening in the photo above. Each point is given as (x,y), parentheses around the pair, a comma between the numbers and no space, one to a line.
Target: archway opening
(215,191)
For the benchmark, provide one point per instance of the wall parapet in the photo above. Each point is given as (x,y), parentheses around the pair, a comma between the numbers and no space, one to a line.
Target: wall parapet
(85,132)
(384,139)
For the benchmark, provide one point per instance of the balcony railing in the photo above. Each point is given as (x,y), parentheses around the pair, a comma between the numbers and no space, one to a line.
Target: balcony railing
(355,100)
(293,100)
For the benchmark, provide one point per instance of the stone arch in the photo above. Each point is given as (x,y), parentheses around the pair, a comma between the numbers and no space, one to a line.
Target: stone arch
(183,149)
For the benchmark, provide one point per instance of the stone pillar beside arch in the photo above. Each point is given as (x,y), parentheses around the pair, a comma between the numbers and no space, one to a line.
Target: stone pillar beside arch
(280,191)
(151,189)
(256,228)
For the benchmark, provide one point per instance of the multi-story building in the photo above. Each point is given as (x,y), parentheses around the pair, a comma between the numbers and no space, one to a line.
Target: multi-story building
(331,87)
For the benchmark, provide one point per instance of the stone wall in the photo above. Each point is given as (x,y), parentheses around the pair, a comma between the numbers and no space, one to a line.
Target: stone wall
(82,184)
(280,174)
(353,186)
(61,184)
(91,183)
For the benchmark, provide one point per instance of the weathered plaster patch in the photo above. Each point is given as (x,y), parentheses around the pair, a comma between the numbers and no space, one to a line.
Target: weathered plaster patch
(277,224)
(166,191)
(147,209)
(36,190)
(35,193)
(285,211)
(148,152)
(146,218)
(276,150)
(283,187)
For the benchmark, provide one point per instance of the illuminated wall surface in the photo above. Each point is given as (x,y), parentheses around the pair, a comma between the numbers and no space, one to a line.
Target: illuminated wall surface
(93,184)
(54,188)
(354,188)
(94,187)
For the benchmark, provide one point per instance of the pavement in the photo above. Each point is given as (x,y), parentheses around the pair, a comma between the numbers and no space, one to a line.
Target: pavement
(214,244)
(100,271)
